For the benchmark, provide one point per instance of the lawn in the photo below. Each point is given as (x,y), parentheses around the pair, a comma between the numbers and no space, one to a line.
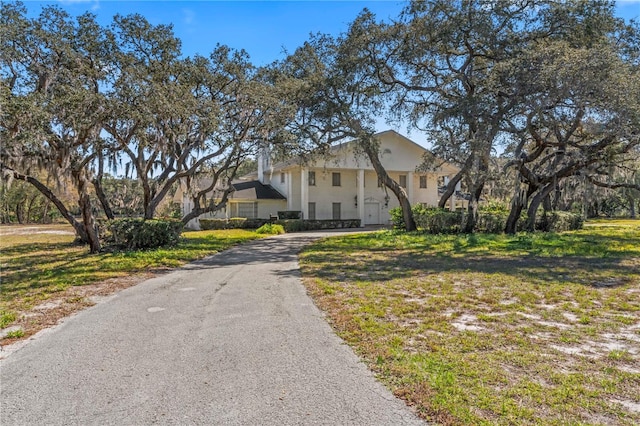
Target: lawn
(46,277)
(492,329)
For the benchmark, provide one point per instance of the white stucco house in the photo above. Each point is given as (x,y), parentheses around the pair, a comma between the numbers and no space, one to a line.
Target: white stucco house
(344,186)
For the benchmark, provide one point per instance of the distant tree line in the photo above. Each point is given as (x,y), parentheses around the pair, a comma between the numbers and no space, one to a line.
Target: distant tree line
(537,102)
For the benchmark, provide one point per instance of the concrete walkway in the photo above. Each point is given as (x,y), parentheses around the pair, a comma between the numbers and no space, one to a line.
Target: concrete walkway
(230,340)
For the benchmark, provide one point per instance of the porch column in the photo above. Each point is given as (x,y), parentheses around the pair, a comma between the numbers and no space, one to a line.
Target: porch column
(361,196)
(289,178)
(410,187)
(304,193)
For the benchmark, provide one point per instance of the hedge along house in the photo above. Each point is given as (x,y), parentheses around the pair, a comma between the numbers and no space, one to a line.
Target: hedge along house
(340,186)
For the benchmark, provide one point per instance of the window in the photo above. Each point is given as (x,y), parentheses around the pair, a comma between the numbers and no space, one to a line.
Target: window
(441,181)
(336,211)
(248,210)
(312,178)
(423,181)
(282,178)
(312,211)
(403,181)
(335,179)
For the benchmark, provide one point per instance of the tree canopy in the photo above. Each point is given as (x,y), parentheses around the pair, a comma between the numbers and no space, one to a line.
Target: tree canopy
(553,88)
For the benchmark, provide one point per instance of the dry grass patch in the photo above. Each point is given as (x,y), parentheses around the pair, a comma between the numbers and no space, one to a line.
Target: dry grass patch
(526,329)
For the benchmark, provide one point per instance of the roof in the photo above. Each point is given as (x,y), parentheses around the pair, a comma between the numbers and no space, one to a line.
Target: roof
(255,190)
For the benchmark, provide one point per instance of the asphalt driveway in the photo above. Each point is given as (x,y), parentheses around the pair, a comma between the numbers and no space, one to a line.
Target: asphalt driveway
(232,339)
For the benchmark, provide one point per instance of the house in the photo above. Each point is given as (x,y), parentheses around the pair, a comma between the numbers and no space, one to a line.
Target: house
(343,185)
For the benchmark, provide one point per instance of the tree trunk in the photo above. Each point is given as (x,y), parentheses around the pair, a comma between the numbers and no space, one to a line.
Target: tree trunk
(45,212)
(533,207)
(102,197)
(30,208)
(400,193)
(451,189)
(84,202)
(451,186)
(472,210)
(632,206)
(97,185)
(77,226)
(20,212)
(517,204)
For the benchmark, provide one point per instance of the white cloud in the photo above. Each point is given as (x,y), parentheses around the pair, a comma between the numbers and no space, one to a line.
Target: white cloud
(188,16)
(95,4)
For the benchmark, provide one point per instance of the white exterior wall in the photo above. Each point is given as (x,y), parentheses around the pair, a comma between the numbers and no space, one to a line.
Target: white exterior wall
(274,181)
(324,194)
(399,156)
(267,208)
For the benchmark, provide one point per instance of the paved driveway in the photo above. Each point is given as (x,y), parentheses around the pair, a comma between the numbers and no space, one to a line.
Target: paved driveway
(232,340)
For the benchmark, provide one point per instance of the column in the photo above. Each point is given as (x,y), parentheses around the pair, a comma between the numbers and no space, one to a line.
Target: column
(361,196)
(304,193)
(410,187)
(289,178)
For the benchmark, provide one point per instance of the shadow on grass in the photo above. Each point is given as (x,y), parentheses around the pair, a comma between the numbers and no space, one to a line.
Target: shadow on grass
(592,260)
(30,268)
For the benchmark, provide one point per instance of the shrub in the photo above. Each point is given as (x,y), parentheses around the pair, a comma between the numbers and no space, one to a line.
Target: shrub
(397,219)
(213,224)
(271,229)
(291,225)
(437,220)
(494,207)
(233,223)
(558,221)
(289,214)
(491,223)
(134,234)
(441,221)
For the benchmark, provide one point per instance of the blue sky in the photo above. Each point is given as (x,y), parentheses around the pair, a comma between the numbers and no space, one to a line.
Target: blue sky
(263,28)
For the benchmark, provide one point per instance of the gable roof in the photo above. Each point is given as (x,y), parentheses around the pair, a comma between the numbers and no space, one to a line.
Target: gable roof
(255,190)
(336,149)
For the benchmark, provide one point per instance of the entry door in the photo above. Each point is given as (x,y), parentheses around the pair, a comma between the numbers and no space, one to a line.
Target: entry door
(371,213)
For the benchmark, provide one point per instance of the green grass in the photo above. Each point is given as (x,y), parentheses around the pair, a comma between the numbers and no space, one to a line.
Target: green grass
(15,334)
(36,267)
(492,329)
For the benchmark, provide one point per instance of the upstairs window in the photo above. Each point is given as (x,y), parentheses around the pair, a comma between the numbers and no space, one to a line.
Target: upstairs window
(282,177)
(403,181)
(423,181)
(335,179)
(312,178)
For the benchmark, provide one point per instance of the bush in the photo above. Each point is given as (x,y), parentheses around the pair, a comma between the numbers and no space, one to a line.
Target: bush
(291,225)
(436,220)
(134,234)
(213,224)
(233,223)
(558,221)
(491,223)
(397,219)
(289,214)
(271,229)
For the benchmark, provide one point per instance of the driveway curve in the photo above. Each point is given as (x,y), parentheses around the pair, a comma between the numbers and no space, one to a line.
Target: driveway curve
(232,340)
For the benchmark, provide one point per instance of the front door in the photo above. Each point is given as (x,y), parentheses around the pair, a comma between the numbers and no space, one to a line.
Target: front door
(371,213)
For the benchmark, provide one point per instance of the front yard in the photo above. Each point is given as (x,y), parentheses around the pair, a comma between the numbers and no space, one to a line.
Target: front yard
(492,329)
